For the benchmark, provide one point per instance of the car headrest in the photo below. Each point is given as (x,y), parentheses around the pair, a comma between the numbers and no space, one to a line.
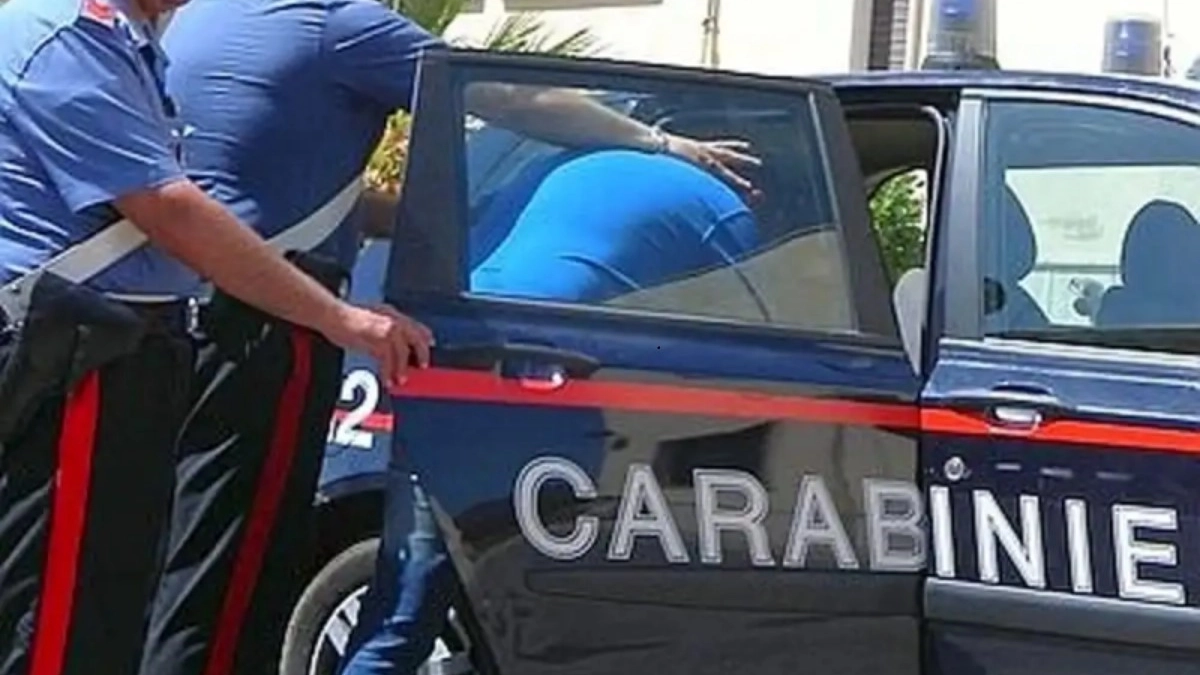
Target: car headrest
(1010,248)
(1161,249)
(908,299)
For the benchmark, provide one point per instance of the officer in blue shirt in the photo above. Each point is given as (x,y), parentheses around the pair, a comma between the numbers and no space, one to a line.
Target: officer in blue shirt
(94,356)
(284,110)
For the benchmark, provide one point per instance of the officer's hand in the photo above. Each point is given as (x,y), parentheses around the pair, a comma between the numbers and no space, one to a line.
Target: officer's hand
(389,336)
(722,157)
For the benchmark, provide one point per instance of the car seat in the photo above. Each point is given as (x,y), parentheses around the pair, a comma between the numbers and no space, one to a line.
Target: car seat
(1160,270)
(1009,254)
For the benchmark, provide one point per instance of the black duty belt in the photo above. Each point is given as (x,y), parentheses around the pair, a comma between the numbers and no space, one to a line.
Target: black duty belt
(324,270)
(173,317)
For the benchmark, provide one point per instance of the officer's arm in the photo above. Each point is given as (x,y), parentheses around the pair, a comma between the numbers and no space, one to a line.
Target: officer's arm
(82,110)
(182,220)
(374,51)
(558,116)
(186,223)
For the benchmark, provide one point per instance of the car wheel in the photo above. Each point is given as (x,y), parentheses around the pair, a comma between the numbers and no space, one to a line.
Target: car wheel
(327,611)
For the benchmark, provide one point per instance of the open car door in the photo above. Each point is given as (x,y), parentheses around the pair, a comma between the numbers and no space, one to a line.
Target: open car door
(670,427)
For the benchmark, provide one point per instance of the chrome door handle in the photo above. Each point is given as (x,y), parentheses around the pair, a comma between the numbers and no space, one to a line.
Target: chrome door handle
(1010,405)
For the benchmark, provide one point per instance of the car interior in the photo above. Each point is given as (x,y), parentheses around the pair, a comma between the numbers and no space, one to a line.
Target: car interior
(1150,300)
(892,140)
(1161,245)
(795,213)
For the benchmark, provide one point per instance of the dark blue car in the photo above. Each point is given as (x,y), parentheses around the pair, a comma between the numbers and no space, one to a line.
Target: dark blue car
(988,465)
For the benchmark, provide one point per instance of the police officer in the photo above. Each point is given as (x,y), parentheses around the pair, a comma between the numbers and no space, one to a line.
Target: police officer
(94,361)
(286,108)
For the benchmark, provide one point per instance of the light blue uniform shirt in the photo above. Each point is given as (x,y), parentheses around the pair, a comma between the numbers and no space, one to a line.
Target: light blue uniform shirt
(287,99)
(83,121)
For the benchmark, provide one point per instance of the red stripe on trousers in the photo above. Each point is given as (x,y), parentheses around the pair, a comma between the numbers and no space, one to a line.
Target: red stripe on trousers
(260,521)
(68,516)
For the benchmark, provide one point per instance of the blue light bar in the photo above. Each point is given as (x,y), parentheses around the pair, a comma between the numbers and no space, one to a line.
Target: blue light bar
(1133,46)
(962,34)
(957,12)
(1193,73)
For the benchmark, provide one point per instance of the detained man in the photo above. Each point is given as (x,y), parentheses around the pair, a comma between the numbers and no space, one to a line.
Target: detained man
(638,221)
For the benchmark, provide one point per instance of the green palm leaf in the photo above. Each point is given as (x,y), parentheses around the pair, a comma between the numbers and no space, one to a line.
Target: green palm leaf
(434,16)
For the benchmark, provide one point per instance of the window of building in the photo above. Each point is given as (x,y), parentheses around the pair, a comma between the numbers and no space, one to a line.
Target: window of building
(653,233)
(1089,225)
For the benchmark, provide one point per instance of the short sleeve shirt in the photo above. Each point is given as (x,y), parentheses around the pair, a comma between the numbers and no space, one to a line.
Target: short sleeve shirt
(83,122)
(287,107)
(590,226)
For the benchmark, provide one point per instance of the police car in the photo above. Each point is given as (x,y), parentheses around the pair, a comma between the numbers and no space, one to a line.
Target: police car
(988,465)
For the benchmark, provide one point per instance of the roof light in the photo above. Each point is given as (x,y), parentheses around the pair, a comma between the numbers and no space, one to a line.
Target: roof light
(1193,73)
(1133,45)
(962,36)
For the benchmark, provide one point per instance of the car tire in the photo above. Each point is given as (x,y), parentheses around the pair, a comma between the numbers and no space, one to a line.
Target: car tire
(325,614)
(321,621)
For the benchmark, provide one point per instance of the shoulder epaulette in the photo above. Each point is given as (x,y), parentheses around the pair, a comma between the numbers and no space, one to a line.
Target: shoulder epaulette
(100,11)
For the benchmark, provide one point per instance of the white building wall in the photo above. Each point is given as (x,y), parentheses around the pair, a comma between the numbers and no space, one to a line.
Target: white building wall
(666,31)
(769,36)
(795,37)
(801,37)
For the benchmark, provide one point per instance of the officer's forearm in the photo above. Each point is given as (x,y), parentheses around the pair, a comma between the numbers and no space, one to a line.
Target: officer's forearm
(181,220)
(559,116)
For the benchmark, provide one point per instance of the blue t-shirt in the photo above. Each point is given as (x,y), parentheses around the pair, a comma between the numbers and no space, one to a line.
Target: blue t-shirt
(83,121)
(599,224)
(286,99)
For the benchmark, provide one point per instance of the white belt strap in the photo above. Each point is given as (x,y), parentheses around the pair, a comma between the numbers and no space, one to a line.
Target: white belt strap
(92,256)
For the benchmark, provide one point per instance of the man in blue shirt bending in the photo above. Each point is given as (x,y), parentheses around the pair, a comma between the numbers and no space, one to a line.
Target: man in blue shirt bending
(285,100)
(585,227)
(636,221)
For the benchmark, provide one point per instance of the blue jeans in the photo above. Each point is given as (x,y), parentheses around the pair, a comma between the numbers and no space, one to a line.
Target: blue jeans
(405,609)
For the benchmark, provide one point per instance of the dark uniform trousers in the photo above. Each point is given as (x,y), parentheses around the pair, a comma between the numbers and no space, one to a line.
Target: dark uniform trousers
(92,395)
(243,524)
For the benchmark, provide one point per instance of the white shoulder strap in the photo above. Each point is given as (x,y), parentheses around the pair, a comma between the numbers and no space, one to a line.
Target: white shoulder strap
(92,256)
(320,224)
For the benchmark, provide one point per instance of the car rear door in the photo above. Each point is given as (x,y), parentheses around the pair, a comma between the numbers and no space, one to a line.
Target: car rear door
(713,471)
(1062,416)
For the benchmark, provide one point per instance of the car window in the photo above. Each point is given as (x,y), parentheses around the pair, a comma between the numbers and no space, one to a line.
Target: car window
(1089,229)
(606,227)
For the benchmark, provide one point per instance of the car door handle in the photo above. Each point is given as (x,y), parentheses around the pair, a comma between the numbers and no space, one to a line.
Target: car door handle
(1016,405)
(502,355)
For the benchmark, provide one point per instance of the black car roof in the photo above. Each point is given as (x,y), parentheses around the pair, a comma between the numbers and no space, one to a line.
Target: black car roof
(1183,93)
